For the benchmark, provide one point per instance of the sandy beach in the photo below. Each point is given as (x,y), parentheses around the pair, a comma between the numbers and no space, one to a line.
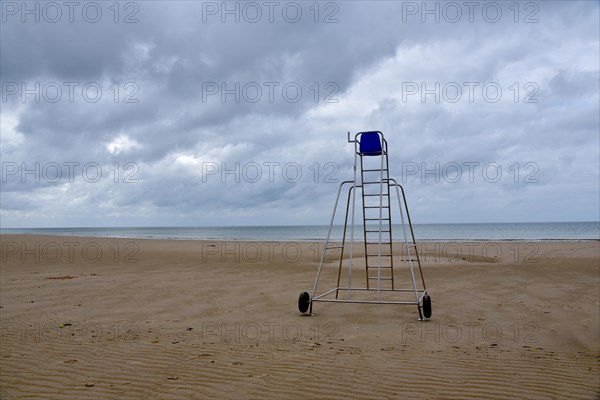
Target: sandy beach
(164,319)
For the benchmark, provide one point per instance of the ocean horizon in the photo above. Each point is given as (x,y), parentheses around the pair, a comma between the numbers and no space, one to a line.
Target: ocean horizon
(429,232)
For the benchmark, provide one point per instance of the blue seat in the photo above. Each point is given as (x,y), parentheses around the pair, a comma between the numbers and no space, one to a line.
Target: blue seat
(370,144)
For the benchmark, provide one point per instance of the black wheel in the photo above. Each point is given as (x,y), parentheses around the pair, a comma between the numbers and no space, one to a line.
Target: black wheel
(303,302)
(427,306)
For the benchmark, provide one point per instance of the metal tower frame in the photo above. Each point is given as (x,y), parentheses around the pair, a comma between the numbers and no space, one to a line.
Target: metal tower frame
(377,236)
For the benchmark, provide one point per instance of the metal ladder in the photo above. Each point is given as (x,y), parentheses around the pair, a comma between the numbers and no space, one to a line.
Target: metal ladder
(377,221)
(376,188)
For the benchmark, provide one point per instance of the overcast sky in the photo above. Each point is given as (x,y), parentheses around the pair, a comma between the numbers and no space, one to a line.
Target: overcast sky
(155,113)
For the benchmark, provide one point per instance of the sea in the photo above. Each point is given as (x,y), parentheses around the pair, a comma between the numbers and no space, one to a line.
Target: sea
(536,231)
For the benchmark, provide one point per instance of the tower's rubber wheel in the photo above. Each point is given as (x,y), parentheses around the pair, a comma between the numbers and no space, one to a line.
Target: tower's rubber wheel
(427,306)
(303,302)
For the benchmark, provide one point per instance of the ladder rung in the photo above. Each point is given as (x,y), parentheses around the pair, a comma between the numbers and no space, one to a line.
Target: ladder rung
(374,182)
(383,206)
(378,242)
(376,194)
(376,219)
(382,279)
(374,170)
(334,247)
(382,267)
(377,231)
(377,255)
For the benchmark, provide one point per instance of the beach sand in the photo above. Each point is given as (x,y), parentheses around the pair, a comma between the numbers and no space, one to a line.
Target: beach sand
(166,319)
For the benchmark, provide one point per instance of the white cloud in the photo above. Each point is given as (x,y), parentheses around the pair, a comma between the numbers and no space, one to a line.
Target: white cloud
(122,144)
(11,137)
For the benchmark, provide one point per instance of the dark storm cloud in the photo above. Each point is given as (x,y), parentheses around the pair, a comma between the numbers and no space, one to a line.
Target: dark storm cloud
(173,120)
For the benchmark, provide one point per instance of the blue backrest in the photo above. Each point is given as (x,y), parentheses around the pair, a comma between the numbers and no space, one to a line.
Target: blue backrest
(370,144)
